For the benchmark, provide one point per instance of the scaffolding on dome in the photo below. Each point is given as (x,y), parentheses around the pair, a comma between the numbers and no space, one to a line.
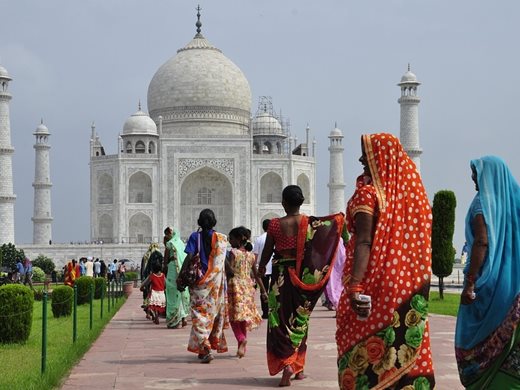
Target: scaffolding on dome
(279,128)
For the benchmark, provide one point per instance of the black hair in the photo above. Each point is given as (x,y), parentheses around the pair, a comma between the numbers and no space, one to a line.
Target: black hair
(265,224)
(156,267)
(293,196)
(206,221)
(168,229)
(243,234)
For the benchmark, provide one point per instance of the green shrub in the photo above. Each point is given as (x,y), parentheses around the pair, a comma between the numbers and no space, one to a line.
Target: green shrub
(84,283)
(62,300)
(130,276)
(100,286)
(45,263)
(38,275)
(443,226)
(16,302)
(9,255)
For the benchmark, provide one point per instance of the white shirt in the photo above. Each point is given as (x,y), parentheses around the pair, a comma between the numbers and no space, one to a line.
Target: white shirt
(258,248)
(90,268)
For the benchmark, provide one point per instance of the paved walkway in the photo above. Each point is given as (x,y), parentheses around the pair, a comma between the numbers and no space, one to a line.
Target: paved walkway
(133,353)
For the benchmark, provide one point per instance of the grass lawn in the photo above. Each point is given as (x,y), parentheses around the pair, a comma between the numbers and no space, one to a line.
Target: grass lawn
(20,365)
(449,306)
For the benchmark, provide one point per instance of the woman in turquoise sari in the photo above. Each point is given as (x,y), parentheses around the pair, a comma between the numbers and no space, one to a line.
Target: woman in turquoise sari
(177,303)
(487,338)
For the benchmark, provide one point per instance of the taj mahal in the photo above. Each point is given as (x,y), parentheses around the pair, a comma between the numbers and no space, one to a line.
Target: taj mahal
(201,144)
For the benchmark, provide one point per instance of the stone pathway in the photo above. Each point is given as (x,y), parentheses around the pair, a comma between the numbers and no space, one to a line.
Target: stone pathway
(133,353)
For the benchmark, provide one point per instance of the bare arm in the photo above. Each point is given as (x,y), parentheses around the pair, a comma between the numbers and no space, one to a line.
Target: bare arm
(258,280)
(227,264)
(145,283)
(364,227)
(266,254)
(477,257)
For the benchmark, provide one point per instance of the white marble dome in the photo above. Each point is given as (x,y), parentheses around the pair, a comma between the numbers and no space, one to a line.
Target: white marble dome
(265,123)
(336,133)
(140,123)
(41,129)
(409,77)
(201,79)
(3,73)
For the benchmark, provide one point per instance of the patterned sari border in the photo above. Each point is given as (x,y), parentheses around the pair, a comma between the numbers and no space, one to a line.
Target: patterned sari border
(378,185)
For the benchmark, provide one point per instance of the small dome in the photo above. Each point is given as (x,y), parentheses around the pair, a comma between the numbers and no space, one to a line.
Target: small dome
(41,129)
(409,77)
(140,123)
(336,133)
(3,73)
(265,123)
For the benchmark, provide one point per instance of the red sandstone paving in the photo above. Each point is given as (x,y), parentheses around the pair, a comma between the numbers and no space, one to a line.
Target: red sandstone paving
(133,353)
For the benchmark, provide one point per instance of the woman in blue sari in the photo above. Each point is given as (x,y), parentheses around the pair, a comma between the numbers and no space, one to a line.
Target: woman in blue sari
(487,338)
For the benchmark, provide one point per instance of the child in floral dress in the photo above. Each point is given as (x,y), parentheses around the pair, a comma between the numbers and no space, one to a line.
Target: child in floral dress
(243,313)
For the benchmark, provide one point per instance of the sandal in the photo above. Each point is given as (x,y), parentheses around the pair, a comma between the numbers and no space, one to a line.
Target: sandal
(207,358)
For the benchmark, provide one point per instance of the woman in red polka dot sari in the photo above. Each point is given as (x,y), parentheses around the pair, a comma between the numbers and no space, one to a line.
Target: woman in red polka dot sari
(385,343)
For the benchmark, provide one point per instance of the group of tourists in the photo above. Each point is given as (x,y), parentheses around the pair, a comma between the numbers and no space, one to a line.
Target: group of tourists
(373,262)
(23,272)
(87,266)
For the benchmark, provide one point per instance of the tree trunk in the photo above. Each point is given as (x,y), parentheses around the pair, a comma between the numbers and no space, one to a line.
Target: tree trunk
(441,288)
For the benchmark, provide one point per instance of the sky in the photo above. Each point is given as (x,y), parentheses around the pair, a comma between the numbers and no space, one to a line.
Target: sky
(322,62)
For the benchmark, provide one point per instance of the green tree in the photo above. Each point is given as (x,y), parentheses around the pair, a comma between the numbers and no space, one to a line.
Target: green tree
(9,255)
(443,252)
(45,263)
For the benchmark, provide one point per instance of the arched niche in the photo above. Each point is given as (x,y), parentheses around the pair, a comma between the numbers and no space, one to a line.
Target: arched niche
(140,188)
(140,228)
(105,189)
(304,184)
(271,188)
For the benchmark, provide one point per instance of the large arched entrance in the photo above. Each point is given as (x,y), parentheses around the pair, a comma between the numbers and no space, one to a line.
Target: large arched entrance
(206,188)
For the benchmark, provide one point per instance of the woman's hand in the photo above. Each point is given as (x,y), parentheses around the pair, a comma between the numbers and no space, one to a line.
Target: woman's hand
(468,294)
(264,297)
(360,307)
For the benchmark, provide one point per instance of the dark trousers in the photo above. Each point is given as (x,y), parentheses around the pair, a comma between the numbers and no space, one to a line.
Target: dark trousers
(266,280)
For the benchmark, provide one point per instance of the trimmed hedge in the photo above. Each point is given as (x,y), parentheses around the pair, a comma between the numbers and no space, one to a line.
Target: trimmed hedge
(100,286)
(84,284)
(62,300)
(130,276)
(38,275)
(16,314)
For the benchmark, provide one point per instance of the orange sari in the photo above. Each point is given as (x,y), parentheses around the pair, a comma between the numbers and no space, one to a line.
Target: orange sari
(71,274)
(392,346)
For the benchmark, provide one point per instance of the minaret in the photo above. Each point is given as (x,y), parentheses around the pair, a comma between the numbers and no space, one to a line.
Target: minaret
(336,181)
(7,197)
(409,101)
(42,219)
